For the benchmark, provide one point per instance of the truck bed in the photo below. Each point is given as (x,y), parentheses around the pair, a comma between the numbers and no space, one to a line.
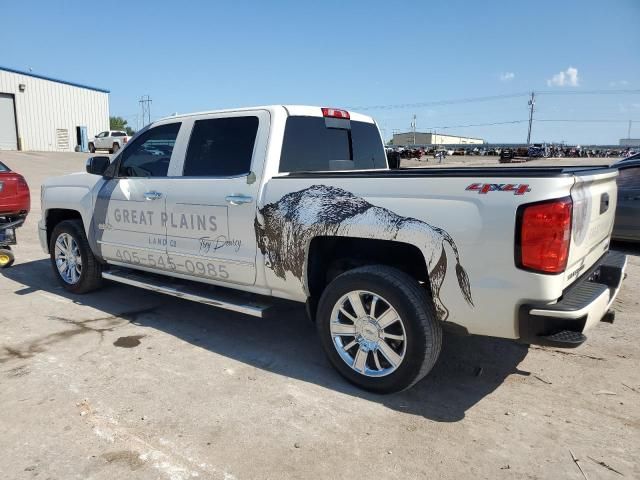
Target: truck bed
(528,171)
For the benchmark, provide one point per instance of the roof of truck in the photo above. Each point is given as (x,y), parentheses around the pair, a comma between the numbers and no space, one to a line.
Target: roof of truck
(293,110)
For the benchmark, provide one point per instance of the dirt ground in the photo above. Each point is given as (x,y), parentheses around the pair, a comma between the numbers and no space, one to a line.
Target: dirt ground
(125,383)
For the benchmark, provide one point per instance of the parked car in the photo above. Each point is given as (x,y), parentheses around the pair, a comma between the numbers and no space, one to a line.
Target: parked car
(111,140)
(261,205)
(15,198)
(630,158)
(15,203)
(627,223)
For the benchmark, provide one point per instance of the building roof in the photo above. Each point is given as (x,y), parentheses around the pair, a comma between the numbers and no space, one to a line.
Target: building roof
(57,80)
(439,133)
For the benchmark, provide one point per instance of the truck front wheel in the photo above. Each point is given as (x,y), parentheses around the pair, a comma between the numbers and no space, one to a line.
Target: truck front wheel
(73,262)
(379,328)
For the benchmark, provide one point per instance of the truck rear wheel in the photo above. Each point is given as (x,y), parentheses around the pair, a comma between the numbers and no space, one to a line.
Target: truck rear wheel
(114,148)
(379,328)
(73,262)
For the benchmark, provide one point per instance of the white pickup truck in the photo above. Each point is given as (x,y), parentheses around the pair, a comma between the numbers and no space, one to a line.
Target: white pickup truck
(244,208)
(111,140)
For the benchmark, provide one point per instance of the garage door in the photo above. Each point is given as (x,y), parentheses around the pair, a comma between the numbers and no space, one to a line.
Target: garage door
(8,137)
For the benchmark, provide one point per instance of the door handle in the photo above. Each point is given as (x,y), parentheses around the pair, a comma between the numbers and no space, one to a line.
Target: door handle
(238,199)
(152,195)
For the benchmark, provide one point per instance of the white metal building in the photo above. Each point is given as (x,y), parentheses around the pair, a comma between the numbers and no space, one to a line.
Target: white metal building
(422,138)
(46,114)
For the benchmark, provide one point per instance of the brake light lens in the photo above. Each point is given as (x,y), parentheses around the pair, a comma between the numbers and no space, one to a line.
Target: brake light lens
(335,113)
(125,139)
(22,183)
(544,236)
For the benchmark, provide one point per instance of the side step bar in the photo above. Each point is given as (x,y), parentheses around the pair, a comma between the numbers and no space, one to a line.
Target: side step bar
(233,300)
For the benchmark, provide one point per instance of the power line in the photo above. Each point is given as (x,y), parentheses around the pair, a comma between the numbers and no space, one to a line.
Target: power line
(478,125)
(439,102)
(581,120)
(489,98)
(631,91)
(512,122)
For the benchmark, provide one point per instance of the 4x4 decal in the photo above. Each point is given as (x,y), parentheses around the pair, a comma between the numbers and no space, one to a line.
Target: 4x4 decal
(484,188)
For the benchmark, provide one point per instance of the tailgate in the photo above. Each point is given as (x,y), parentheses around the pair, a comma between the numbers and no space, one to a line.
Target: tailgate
(594,206)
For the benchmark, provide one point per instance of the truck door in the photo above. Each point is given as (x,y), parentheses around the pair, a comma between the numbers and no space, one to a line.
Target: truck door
(211,207)
(129,223)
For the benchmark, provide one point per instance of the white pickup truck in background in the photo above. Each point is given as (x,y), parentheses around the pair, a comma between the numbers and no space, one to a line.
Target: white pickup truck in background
(238,208)
(111,140)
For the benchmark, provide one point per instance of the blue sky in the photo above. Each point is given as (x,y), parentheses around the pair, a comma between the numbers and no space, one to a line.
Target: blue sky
(200,55)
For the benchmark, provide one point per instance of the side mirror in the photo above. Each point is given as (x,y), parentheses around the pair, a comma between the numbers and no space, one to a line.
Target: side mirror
(97,165)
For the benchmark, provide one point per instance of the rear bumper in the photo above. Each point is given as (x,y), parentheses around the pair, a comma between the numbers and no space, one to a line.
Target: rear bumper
(15,204)
(582,305)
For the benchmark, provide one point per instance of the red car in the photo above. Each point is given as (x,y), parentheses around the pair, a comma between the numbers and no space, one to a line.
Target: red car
(15,198)
(15,203)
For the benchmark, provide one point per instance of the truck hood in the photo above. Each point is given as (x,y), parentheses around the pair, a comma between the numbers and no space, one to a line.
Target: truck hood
(78,179)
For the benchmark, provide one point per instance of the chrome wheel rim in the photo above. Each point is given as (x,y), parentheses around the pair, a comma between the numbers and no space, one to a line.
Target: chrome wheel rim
(68,258)
(368,333)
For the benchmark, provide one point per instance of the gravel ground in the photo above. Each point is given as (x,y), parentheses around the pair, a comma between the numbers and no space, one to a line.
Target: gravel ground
(124,383)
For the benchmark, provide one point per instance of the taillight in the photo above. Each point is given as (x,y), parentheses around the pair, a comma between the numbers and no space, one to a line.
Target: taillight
(22,184)
(543,234)
(335,113)
(125,139)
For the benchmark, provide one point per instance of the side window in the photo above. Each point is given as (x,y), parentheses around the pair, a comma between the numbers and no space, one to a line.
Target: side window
(150,154)
(629,178)
(118,134)
(221,147)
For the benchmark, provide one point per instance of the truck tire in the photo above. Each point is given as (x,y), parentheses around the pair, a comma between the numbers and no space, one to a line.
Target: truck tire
(72,260)
(92,148)
(379,328)
(114,148)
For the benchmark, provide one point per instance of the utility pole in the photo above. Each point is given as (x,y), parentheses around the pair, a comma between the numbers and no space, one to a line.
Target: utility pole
(629,130)
(145,106)
(413,128)
(532,103)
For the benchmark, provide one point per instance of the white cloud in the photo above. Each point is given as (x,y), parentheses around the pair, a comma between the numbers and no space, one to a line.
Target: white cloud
(507,76)
(567,78)
(619,83)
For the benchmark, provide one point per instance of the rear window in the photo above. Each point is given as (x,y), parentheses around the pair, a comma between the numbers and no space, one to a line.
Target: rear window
(319,144)
(118,134)
(4,168)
